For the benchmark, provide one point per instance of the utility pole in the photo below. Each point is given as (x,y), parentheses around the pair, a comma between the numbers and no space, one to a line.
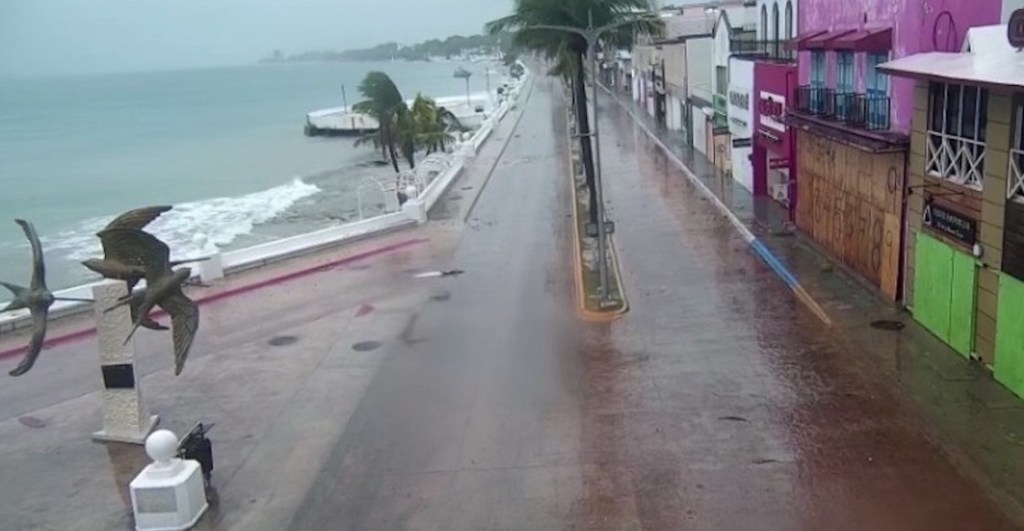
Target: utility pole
(593,35)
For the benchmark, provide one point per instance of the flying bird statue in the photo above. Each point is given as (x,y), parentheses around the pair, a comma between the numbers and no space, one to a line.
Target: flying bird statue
(36,298)
(163,287)
(119,266)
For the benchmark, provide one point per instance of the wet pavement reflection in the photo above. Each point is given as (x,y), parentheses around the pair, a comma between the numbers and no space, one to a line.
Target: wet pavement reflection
(480,401)
(718,402)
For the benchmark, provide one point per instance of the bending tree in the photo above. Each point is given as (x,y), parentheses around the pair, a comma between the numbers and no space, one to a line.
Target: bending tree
(384,103)
(570,49)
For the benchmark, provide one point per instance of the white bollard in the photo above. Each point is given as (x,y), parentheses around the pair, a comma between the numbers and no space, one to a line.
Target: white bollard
(415,210)
(125,418)
(168,494)
(211,269)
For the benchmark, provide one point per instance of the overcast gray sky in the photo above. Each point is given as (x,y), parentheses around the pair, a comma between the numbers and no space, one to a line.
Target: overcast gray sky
(70,36)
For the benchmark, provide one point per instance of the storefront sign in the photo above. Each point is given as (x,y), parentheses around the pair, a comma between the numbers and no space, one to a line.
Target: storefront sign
(778,164)
(742,142)
(772,108)
(950,223)
(1015,29)
(740,99)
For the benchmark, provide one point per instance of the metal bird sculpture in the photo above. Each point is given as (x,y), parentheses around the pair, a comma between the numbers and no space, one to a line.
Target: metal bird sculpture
(163,287)
(135,303)
(118,266)
(36,298)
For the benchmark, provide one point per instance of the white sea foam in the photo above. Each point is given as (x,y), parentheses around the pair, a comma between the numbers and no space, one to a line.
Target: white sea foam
(193,229)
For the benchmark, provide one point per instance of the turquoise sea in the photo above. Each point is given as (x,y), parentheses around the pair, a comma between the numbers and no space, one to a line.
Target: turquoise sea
(225,146)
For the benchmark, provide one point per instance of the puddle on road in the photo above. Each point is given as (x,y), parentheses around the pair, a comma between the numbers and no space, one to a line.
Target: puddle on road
(366,346)
(280,341)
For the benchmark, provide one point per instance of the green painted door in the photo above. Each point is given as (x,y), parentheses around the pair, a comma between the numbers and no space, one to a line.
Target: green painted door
(1009,365)
(962,302)
(944,288)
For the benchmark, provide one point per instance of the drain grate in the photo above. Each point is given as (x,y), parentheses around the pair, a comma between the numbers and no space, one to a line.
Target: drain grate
(366,346)
(280,341)
(32,422)
(887,324)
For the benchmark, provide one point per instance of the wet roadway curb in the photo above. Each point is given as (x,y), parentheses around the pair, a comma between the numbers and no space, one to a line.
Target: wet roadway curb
(577,266)
(759,248)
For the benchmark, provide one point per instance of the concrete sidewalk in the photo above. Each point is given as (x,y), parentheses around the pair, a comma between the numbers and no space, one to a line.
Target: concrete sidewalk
(977,421)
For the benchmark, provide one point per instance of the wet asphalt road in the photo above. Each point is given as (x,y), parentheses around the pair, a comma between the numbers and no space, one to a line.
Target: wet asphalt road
(718,402)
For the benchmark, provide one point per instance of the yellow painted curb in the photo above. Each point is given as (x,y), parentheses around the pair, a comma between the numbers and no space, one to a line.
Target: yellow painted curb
(577,273)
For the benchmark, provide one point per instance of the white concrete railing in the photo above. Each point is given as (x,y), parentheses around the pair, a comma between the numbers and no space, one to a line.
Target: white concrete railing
(240,260)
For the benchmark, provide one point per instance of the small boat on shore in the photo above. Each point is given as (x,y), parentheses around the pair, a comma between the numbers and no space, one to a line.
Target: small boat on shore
(339,121)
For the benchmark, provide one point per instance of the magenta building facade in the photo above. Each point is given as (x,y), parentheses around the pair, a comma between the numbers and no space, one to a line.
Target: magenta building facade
(850,122)
(915,26)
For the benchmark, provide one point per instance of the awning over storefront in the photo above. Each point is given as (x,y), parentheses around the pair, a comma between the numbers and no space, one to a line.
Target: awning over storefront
(824,40)
(872,41)
(798,42)
(996,69)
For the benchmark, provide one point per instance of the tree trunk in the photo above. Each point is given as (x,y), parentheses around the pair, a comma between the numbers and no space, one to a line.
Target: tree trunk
(391,147)
(583,129)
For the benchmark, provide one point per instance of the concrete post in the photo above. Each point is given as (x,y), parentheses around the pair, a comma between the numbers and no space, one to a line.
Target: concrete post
(212,269)
(168,494)
(125,418)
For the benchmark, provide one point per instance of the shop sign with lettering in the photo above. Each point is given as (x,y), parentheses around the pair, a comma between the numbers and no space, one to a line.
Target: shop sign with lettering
(772,110)
(950,223)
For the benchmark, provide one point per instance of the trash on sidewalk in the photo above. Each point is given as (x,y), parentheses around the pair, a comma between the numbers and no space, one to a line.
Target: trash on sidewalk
(432,274)
(196,446)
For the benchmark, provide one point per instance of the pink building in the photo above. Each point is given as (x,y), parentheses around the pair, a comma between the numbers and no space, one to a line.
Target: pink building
(852,122)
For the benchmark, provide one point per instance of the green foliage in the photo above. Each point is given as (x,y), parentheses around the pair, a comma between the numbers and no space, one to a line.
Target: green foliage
(404,130)
(453,46)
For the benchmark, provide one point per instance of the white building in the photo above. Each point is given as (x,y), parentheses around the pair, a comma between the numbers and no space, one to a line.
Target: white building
(740,103)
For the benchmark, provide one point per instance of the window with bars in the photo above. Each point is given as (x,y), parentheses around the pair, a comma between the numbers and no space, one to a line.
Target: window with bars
(877,100)
(956,133)
(818,68)
(877,81)
(844,83)
(1015,177)
(721,80)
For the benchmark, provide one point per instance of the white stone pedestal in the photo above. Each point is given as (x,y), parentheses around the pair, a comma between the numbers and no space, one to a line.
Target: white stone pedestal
(168,494)
(415,210)
(211,269)
(125,418)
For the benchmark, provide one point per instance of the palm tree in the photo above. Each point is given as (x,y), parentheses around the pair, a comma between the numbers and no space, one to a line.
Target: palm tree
(432,125)
(384,103)
(570,49)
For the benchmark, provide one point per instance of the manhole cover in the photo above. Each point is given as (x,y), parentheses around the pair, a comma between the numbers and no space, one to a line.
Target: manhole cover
(366,346)
(886,324)
(32,422)
(280,341)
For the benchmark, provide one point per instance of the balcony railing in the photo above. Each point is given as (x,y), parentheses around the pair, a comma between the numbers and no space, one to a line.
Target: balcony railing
(869,112)
(956,159)
(863,111)
(810,100)
(842,105)
(772,50)
(1015,180)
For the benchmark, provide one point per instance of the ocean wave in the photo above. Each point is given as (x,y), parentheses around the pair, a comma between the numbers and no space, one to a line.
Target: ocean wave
(193,229)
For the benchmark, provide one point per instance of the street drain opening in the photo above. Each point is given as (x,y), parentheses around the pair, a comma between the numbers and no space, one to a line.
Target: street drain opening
(366,346)
(280,341)
(886,324)
(32,422)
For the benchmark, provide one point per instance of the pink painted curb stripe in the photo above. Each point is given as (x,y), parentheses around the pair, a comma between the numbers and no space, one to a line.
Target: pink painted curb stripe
(82,334)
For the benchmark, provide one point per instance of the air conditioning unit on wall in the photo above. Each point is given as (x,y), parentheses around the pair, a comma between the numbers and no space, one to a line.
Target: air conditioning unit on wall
(780,192)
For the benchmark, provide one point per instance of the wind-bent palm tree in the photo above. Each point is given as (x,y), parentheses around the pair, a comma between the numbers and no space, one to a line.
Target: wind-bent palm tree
(570,49)
(432,125)
(384,103)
